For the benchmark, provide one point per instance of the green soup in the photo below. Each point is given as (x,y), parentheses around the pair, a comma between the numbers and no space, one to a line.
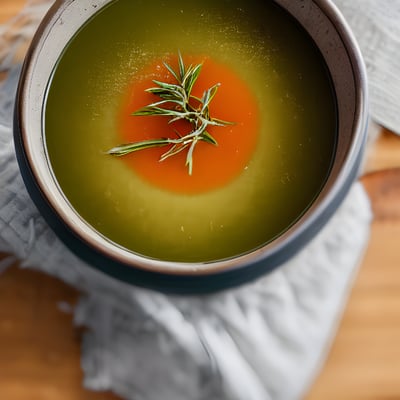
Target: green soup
(295,146)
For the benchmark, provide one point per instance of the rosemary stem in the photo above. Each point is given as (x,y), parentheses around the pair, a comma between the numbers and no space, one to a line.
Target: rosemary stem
(179,96)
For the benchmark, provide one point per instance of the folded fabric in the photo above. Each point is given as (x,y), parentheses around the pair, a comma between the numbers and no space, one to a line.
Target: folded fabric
(377,29)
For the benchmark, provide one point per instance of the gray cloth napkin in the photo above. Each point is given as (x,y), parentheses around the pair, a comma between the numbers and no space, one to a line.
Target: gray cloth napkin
(376,25)
(265,340)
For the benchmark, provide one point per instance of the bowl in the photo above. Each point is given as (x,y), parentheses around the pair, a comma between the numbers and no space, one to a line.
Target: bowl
(326,31)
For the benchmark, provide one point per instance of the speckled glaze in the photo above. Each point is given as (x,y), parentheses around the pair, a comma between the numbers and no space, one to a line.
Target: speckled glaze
(331,34)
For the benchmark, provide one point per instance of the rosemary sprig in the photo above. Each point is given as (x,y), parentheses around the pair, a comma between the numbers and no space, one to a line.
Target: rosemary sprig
(177,102)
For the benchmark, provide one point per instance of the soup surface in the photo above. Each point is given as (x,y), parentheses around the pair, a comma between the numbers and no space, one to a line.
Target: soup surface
(267,168)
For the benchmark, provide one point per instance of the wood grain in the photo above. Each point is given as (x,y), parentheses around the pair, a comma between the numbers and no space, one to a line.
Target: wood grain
(9,8)
(364,362)
(40,349)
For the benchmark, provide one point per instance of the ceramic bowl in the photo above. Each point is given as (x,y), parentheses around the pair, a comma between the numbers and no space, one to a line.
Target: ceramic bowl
(331,34)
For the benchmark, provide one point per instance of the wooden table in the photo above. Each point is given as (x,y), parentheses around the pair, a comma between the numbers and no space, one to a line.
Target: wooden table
(40,349)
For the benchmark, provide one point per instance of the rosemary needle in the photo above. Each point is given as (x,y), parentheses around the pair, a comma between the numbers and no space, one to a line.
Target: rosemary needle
(185,107)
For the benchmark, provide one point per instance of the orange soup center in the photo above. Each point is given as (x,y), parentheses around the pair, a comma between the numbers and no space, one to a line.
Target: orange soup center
(213,165)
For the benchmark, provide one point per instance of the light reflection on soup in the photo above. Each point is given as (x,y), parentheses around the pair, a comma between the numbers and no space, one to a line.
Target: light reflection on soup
(286,168)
